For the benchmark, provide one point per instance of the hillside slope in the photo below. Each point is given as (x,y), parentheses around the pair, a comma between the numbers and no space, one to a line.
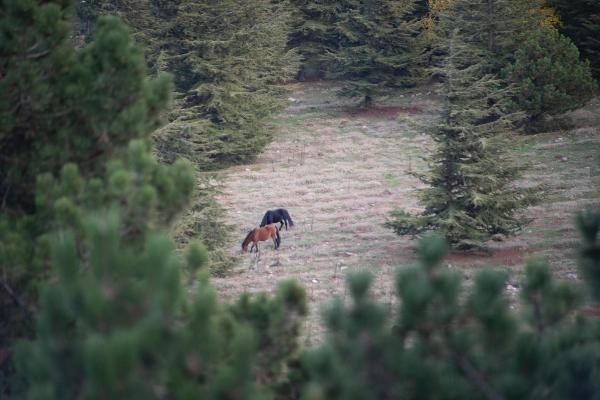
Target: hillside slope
(340,171)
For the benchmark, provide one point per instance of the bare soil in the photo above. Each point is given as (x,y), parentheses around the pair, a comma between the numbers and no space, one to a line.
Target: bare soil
(339,171)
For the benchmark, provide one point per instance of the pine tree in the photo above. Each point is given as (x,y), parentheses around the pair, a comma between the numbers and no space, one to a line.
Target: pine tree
(148,194)
(378,50)
(589,255)
(471,194)
(314,36)
(151,23)
(113,319)
(520,35)
(581,22)
(496,26)
(439,340)
(228,58)
(59,105)
(117,324)
(421,9)
(550,75)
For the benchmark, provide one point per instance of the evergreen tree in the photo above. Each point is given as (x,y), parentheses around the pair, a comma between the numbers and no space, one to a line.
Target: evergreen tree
(550,76)
(113,321)
(495,26)
(313,35)
(118,325)
(441,341)
(149,195)
(378,50)
(59,105)
(150,22)
(471,194)
(329,33)
(421,9)
(229,58)
(519,34)
(581,23)
(589,256)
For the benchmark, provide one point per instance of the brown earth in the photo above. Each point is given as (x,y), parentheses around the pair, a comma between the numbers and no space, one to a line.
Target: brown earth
(387,112)
(507,257)
(340,172)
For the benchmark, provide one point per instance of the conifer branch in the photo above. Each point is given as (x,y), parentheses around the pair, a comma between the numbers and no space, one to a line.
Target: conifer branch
(477,378)
(16,298)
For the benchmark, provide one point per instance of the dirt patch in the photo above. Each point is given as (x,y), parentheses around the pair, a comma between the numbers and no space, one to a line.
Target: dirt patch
(381,112)
(506,257)
(590,312)
(340,176)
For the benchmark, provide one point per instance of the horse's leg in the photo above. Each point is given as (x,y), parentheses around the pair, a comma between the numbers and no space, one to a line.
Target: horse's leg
(281,226)
(255,244)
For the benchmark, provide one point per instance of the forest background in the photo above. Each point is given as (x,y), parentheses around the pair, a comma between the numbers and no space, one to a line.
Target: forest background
(96,166)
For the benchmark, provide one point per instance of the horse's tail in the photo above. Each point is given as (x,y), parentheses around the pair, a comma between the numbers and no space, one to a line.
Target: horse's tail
(286,215)
(247,239)
(265,220)
(278,237)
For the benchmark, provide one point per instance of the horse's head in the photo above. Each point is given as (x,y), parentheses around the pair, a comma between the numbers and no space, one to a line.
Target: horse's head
(247,240)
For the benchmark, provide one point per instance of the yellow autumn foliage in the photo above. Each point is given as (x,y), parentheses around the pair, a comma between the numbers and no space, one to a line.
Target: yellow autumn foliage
(541,12)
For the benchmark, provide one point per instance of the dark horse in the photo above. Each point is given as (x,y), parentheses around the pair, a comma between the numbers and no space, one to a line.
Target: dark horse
(280,215)
(260,234)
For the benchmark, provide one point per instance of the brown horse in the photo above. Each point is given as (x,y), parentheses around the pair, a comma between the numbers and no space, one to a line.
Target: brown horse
(261,234)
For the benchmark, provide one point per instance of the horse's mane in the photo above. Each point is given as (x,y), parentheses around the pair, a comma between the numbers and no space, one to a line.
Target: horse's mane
(265,219)
(247,239)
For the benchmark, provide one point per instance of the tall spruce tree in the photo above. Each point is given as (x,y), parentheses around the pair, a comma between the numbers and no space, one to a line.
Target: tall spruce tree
(151,23)
(471,193)
(581,22)
(520,39)
(378,50)
(496,26)
(521,43)
(229,58)
(441,341)
(314,36)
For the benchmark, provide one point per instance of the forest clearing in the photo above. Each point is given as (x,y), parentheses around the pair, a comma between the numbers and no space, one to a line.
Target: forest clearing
(439,160)
(340,170)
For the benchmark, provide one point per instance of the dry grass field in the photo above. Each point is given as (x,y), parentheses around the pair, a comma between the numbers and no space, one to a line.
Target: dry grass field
(339,172)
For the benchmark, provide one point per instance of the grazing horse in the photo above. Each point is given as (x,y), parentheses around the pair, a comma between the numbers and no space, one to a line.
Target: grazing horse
(280,215)
(261,234)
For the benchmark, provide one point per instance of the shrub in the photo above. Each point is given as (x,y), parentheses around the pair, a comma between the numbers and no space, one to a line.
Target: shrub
(550,76)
